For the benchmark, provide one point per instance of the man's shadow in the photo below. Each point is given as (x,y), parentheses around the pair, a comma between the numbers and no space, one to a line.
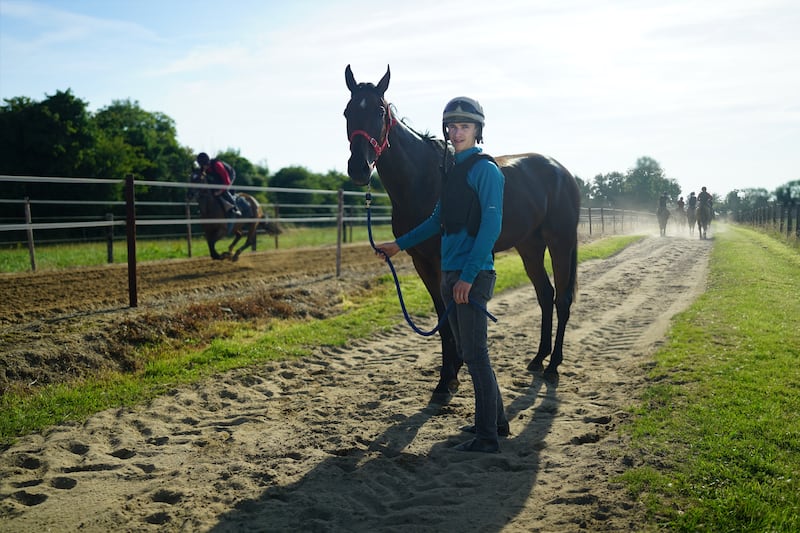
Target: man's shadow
(385,488)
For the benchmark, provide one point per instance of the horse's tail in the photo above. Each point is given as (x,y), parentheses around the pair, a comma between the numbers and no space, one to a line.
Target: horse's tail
(270,228)
(573,273)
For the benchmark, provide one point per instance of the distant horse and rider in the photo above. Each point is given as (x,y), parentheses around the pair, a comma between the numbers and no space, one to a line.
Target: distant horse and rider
(691,212)
(680,213)
(235,215)
(663,214)
(704,212)
(541,207)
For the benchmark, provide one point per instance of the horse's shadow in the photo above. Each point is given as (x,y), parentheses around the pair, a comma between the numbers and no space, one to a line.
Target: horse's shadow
(385,488)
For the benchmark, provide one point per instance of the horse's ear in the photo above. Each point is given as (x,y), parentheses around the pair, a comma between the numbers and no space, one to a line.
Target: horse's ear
(351,81)
(384,83)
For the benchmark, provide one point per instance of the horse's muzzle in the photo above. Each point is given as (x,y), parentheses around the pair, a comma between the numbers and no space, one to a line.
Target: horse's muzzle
(359,170)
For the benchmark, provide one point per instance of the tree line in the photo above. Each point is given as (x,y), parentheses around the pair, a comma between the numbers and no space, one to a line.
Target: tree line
(59,137)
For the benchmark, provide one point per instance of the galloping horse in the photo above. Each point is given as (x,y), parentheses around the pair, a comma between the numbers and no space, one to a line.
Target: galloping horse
(691,218)
(680,217)
(540,211)
(210,208)
(663,216)
(703,219)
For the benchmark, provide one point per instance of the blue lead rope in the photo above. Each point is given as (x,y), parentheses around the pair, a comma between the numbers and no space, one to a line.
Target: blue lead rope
(397,283)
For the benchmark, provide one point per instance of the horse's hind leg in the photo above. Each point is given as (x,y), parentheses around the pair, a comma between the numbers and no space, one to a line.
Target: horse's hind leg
(533,259)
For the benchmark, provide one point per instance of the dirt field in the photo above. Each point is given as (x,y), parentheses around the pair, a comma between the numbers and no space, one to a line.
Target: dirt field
(345,440)
(59,325)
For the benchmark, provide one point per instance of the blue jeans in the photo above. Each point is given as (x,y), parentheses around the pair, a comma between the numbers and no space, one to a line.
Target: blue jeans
(469,325)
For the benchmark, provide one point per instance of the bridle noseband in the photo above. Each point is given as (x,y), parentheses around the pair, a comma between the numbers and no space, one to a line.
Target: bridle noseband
(378,147)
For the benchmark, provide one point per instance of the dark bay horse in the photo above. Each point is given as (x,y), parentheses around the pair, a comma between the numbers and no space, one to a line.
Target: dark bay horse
(210,208)
(663,216)
(703,219)
(680,217)
(540,211)
(691,218)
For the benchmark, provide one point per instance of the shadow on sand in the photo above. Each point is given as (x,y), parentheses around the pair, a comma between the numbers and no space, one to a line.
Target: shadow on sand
(385,488)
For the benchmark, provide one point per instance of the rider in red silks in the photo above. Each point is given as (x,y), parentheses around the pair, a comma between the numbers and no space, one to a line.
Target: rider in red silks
(220,172)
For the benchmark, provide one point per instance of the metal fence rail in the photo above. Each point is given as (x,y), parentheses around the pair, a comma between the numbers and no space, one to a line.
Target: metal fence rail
(592,221)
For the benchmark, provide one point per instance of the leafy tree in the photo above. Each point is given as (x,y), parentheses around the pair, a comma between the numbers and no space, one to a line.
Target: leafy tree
(788,193)
(153,154)
(296,177)
(607,189)
(55,138)
(585,190)
(645,183)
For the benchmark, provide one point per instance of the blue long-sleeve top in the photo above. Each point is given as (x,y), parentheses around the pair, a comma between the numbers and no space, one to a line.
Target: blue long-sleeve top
(460,251)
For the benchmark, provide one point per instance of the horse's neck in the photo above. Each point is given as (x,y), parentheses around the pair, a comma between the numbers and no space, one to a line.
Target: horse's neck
(409,170)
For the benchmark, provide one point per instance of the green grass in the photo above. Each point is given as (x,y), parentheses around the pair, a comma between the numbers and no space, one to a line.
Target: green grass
(16,258)
(719,428)
(243,346)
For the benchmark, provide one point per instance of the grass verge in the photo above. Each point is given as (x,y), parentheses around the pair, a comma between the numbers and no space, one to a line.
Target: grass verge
(719,427)
(242,346)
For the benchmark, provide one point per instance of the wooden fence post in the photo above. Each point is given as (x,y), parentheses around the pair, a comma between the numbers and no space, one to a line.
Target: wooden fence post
(276,216)
(28,220)
(589,210)
(602,221)
(188,212)
(130,230)
(339,232)
(110,239)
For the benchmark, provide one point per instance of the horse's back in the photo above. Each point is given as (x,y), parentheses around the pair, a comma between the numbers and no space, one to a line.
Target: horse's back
(539,193)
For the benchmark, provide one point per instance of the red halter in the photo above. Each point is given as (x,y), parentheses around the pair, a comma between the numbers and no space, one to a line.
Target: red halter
(378,147)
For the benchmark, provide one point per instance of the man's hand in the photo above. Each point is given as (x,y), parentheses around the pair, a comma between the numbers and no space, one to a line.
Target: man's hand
(386,250)
(461,291)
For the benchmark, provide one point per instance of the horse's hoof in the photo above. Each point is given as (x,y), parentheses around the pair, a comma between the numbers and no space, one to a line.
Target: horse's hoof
(441,398)
(535,366)
(551,376)
(452,385)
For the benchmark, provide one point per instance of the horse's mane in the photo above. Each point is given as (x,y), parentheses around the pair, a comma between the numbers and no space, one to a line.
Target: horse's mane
(428,137)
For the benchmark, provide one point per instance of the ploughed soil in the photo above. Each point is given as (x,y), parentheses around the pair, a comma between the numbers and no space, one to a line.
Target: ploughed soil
(60,325)
(344,439)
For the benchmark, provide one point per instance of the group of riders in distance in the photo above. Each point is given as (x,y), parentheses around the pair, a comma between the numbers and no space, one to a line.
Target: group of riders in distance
(698,210)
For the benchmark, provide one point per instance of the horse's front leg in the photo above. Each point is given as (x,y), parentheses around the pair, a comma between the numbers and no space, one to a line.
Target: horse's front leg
(237,235)
(212,249)
(430,274)
(250,242)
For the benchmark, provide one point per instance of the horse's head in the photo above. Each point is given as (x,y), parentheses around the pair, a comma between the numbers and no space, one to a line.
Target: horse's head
(369,119)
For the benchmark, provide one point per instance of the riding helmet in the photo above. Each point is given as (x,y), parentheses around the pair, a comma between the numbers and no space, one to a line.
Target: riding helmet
(203,159)
(464,109)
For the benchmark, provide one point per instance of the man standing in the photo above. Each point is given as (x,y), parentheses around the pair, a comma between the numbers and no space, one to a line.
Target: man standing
(469,217)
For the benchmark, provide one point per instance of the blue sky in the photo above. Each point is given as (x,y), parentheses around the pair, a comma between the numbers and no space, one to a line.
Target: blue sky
(709,89)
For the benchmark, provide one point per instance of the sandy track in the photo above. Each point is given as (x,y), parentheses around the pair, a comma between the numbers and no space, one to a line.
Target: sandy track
(344,440)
